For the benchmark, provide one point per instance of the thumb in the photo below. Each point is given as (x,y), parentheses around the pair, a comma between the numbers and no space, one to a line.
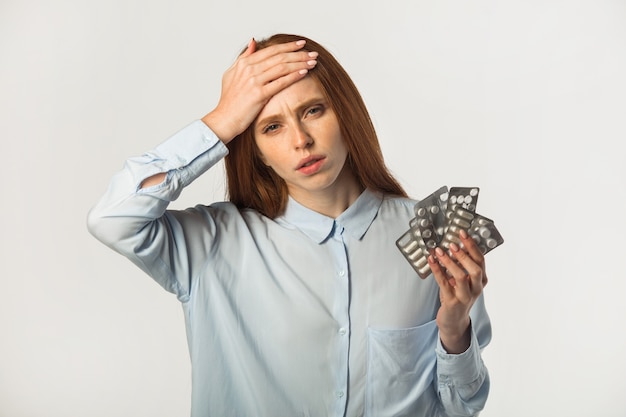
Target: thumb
(251,48)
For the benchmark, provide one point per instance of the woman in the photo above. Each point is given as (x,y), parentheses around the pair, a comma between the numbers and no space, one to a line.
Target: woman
(296,300)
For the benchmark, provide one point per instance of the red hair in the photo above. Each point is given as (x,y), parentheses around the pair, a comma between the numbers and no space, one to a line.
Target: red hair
(252,184)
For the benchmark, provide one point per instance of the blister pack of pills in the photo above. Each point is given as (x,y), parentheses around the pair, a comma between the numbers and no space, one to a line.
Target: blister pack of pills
(438,220)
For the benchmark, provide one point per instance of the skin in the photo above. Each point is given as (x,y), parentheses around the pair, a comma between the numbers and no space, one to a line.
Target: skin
(298,135)
(249,84)
(269,88)
(461,281)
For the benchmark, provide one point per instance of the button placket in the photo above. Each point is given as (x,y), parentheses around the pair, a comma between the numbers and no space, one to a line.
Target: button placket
(341,313)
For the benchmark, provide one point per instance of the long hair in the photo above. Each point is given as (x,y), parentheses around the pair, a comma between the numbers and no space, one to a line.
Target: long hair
(252,184)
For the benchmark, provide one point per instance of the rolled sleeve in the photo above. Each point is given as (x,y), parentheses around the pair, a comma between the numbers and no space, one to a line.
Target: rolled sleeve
(184,157)
(462,379)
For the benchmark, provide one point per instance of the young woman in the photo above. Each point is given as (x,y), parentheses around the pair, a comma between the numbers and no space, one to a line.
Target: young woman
(296,300)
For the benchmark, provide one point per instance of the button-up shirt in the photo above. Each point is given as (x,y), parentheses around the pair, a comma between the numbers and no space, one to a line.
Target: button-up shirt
(301,315)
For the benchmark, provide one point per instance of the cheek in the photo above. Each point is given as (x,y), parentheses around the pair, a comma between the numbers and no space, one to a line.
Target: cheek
(270,156)
(261,152)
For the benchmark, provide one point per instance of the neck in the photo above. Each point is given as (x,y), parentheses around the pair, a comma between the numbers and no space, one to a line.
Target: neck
(335,200)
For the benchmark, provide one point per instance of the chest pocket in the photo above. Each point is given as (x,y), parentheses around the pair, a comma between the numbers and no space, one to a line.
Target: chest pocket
(401,366)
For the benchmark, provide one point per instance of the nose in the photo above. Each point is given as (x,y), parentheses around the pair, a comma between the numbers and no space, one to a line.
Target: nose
(302,139)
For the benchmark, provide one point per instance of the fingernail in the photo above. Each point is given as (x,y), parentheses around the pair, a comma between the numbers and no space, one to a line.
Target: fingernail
(463,234)
(439,252)
(300,42)
(454,247)
(303,71)
(312,62)
(313,54)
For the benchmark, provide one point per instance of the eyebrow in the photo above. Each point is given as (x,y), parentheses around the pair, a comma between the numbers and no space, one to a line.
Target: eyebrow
(299,109)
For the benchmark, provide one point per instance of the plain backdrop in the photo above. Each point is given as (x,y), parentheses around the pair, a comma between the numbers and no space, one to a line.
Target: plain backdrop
(525,99)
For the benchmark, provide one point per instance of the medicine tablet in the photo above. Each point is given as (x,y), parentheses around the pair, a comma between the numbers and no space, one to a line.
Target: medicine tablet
(410,247)
(439,218)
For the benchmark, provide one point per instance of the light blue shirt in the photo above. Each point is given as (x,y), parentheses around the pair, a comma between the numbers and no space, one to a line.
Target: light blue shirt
(303,315)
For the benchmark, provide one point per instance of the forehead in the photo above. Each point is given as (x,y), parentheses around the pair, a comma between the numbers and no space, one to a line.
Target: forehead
(292,97)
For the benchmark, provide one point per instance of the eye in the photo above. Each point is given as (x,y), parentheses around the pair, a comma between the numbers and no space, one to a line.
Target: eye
(312,111)
(270,128)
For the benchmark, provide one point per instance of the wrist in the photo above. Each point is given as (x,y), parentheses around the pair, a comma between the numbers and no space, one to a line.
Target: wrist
(222,129)
(457,339)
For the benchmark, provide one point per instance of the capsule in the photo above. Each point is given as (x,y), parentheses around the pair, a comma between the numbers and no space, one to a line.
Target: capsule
(464,214)
(415,255)
(419,263)
(410,247)
(461,222)
(424,271)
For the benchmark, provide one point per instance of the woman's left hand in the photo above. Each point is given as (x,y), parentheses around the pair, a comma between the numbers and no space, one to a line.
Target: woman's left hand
(461,280)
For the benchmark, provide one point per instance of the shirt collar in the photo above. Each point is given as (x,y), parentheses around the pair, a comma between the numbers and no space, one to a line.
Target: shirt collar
(355,220)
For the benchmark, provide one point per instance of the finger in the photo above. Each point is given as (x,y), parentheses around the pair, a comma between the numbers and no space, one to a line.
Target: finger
(460,275)
(471,247)
(279,84)
(474,272)
(245,54)
(453,268)
(251,48)
(445,287)
(474,251)
(275,67)
(274,50)
(280,65)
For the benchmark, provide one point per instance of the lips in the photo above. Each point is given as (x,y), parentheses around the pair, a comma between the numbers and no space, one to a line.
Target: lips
(310,164)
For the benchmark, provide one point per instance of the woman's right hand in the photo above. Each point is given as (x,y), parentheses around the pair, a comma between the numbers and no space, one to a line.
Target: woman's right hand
(252,80)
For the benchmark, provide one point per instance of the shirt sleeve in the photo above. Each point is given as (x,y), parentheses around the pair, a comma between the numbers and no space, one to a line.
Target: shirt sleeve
(134,221)
(463,380)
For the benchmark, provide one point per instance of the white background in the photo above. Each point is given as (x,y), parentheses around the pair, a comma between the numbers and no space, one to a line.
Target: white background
(526,99)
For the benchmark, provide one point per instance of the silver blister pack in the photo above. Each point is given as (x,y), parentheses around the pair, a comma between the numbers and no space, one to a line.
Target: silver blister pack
(430,217)
(466,197)
(485,234)
(438,220)
(413,251)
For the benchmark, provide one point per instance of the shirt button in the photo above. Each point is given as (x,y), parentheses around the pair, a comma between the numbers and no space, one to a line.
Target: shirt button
(342,273)
(339,394)
(342,331)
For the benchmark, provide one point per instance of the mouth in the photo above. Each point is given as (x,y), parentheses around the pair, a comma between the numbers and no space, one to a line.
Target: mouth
(310,164)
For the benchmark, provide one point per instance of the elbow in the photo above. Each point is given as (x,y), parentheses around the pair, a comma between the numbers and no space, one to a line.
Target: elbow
(96,224)
(104,228)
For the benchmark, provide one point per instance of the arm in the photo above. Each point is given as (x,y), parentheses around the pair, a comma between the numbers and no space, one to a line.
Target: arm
(462,379)
(248,85)
(131,217)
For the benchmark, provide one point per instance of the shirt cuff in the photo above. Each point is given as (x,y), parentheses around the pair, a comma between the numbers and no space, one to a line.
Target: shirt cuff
(188,143)
(459,369)
(184,157)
